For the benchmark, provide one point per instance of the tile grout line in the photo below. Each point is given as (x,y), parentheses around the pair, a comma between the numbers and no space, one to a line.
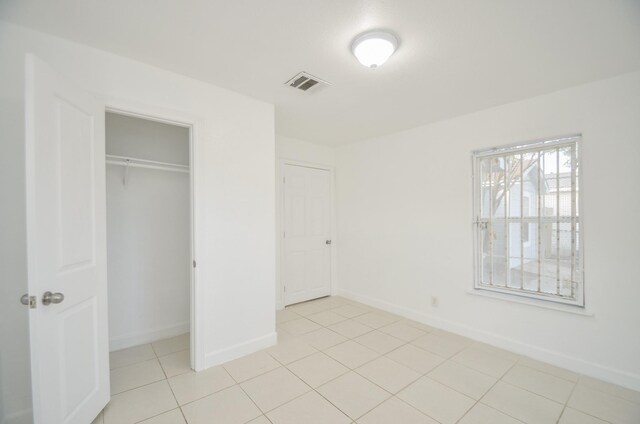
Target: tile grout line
(545,372)
(384,355)
(157,415)
(566,405)
(354,370)
(423,375)
(245,393)
(138,387)
(174,393)
(272,409)
(212,393)
(485,393)
(349,369)
(339,409)
(518,361)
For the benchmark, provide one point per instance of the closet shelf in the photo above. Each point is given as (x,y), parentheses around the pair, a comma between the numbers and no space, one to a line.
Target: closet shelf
(144,163)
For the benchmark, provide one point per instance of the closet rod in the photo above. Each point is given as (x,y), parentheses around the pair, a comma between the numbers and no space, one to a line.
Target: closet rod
(144,163)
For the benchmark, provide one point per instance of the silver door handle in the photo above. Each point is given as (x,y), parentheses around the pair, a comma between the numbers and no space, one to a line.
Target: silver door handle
(29,301)
(49,298)
(327,242)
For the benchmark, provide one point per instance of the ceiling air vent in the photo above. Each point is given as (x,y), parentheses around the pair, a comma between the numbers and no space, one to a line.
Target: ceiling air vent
(305,82)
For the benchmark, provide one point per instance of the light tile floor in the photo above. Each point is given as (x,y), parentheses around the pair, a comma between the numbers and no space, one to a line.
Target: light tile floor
(339,361)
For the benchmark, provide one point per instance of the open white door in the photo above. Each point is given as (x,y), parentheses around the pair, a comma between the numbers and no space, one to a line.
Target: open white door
(307,233)
(66,249)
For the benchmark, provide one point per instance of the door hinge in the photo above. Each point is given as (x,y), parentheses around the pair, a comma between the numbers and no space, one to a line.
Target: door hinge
(284,179)
(285,289)
(194,263)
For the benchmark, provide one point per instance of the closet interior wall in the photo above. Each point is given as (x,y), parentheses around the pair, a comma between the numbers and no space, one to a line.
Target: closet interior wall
(148,230)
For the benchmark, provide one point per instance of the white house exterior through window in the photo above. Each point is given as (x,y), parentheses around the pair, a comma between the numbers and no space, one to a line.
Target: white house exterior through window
(527,220)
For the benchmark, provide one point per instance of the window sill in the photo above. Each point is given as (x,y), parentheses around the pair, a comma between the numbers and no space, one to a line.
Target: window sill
(577,310)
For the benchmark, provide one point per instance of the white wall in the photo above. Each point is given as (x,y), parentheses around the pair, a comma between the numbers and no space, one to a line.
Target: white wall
(15,376)
(148,233)
(234,185)
(304,152)
(404,225)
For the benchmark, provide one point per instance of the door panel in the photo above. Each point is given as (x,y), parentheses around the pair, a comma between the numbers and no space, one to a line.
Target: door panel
(76,170)
(79,321)
(307,227)
(66,248)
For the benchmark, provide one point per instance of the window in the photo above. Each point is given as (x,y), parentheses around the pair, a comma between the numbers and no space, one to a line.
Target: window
(527,223)
(526,204)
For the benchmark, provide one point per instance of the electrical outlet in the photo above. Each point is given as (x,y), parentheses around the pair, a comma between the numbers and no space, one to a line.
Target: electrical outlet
(434,301)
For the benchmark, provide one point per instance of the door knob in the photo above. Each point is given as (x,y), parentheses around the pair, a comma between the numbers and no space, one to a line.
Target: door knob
(49,298)
(327,242)
(29,301)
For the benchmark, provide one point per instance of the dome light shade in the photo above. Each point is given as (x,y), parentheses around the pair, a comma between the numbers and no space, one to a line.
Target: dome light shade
(373,48)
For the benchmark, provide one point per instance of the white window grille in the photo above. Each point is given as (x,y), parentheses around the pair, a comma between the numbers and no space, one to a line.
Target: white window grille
(527,222)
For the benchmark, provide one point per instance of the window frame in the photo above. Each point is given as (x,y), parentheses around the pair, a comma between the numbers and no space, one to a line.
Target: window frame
(578,300)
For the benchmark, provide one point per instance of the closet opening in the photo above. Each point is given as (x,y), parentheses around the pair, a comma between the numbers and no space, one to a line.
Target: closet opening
(150,256)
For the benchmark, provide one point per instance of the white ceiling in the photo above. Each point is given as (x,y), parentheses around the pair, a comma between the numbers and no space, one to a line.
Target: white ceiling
(455,57)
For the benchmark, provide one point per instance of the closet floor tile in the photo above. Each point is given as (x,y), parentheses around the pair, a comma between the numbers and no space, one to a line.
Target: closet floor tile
(132,355)
(172,345)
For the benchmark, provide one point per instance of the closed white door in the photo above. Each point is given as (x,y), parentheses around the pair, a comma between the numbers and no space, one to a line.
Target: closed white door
(66,249)
(307,233)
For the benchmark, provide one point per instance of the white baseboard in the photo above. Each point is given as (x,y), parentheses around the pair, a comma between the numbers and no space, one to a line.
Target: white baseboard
(149,336)
(619,377)
(241,349)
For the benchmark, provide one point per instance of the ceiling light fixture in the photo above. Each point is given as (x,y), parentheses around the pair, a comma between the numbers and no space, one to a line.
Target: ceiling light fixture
(373,48)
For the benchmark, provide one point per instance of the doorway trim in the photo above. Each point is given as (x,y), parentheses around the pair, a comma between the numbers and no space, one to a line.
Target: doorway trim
(194,124)
(280,302)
